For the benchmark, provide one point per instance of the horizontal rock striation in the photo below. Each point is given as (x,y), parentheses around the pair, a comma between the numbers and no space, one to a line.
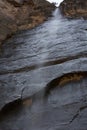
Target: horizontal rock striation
(22,14)
(74,8)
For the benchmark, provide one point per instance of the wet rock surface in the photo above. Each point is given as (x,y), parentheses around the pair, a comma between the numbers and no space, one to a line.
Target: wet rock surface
(43,77)
(74,8)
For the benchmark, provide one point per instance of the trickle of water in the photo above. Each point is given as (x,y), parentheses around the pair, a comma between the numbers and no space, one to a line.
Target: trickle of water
(48,66)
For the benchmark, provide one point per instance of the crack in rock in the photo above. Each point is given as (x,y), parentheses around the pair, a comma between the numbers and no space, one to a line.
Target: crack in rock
(77,113)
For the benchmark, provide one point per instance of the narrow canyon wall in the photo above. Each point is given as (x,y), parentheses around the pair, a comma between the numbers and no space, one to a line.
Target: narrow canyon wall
(74,8)
(22,14)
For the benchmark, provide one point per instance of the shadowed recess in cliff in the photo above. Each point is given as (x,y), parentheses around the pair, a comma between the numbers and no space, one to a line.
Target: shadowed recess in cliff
(64,79)
(15,107)
(21,102)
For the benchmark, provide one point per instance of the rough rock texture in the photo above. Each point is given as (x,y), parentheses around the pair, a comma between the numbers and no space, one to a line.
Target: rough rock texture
(74,8)
(22,14)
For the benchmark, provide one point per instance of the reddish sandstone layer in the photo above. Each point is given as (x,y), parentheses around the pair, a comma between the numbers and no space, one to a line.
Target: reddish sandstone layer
(74,8)
(22,14)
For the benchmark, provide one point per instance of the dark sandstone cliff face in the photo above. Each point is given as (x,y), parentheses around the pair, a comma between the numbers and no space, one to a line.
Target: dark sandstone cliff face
(22,14)
(74,8)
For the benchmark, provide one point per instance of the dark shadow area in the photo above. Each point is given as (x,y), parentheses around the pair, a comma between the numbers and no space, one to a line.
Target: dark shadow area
(10,108)
(64,79)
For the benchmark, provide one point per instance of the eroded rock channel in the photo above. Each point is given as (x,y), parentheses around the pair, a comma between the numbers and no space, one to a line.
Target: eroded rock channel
(43,77)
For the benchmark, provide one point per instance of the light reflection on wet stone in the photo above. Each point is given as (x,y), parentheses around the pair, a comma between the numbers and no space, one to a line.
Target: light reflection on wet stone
(43,77)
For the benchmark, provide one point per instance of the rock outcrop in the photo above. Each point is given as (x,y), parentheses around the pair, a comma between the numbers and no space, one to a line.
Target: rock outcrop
(74,8)
(22,14)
